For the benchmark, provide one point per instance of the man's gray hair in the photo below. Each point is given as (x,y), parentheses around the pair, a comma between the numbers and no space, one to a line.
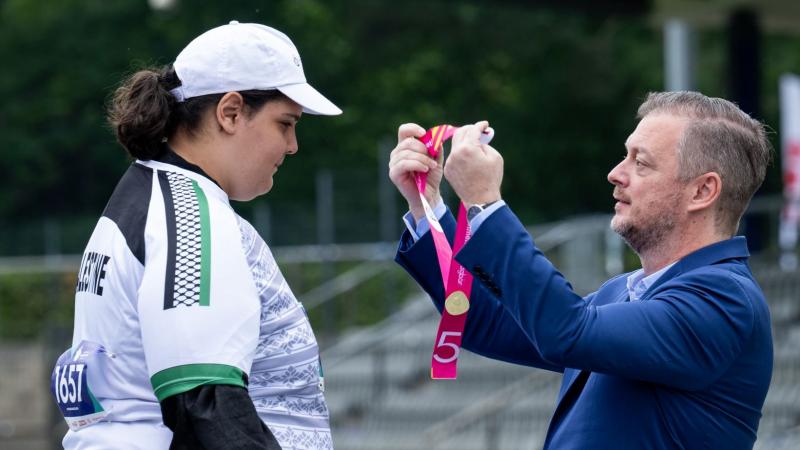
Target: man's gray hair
(719,138)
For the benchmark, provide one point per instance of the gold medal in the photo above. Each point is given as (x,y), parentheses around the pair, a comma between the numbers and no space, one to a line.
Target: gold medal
(456,303)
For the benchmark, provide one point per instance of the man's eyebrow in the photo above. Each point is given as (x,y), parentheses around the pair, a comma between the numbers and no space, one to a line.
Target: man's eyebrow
(638,149)
(296,117)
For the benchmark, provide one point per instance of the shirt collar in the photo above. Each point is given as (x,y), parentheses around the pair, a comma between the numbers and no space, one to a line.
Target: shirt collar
(638,283)
(734,248)
(172,162)
(170,157)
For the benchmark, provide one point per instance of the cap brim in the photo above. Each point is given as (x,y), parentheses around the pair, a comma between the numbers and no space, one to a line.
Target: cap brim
(310,99)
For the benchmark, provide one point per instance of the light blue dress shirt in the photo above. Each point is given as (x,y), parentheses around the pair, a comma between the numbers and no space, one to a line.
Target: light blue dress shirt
(638,284)
(418,230)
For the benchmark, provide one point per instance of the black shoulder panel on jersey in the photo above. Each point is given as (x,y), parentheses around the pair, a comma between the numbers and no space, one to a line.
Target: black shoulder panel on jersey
(169,215)
(129,204)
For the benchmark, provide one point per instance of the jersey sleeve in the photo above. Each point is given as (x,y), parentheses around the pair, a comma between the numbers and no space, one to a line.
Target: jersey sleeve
(197,304)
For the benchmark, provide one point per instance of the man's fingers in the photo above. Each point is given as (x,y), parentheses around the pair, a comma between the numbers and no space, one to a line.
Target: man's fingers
(467,138)
(406,166)
(405,154)
(409,130)
(413,149)
(492,152)
(412,144)
(472,134)
(458,136)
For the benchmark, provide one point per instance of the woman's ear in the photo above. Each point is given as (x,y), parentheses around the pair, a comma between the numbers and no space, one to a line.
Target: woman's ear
(706,190)
(229,112)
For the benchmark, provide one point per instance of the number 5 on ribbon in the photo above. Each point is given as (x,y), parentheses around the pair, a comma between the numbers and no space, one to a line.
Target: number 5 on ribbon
(455,346)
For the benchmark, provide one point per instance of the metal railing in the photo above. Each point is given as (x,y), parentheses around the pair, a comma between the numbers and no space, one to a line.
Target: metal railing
(561,241)
(485,412)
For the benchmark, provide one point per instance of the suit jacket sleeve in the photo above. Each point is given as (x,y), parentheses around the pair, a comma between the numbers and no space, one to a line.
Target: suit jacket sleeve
(490,330)
(685,336)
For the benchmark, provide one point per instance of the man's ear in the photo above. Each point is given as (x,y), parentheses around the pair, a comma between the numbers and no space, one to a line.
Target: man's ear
(705,191)
(229,112)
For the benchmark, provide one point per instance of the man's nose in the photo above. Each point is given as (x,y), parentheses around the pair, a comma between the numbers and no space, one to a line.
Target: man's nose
(617,175)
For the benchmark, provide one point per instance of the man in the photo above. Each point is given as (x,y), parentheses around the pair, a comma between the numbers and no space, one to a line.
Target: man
(675,355)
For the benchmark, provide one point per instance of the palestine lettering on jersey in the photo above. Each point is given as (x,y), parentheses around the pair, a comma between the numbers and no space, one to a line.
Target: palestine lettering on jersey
(92,273)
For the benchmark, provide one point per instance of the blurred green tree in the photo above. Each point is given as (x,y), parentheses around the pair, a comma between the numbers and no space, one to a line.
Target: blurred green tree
(560,87)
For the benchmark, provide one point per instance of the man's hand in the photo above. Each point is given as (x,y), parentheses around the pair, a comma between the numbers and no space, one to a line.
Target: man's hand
(474,170)
(411,156)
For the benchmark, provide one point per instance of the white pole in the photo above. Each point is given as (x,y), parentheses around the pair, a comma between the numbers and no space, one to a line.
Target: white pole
(790,146)
(678,56)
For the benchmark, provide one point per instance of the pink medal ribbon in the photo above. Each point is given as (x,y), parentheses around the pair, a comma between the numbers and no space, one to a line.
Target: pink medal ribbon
(456,280)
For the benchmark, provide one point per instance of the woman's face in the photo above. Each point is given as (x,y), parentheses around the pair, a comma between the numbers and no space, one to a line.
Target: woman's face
(262,141)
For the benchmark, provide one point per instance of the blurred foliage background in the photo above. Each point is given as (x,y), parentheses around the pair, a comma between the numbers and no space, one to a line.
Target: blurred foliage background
(559,80)
(560,85)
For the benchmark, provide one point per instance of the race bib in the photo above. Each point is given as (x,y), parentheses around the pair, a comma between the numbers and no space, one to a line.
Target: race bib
(71,389)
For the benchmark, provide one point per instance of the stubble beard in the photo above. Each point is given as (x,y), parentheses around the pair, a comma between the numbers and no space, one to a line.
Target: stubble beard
(648,234)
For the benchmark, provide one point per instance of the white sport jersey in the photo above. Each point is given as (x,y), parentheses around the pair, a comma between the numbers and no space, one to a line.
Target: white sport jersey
(175,290)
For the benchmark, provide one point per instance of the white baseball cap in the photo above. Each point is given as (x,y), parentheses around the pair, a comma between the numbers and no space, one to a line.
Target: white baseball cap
(243,57)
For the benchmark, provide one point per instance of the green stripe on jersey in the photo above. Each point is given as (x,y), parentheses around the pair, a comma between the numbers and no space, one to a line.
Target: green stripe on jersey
(180,379)
(205,245)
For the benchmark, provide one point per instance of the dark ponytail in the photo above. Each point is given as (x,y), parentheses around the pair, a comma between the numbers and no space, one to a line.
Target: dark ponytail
(143,112)
(140,111)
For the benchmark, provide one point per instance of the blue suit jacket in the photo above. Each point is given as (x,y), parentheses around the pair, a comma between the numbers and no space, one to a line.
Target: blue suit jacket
(686,367)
